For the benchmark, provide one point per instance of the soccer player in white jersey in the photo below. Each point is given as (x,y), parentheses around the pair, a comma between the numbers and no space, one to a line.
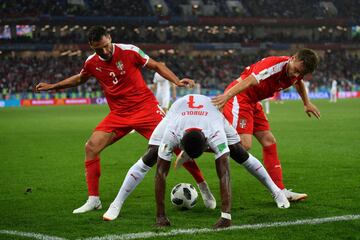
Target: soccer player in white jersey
(194,124)
(162,88)
(333,91)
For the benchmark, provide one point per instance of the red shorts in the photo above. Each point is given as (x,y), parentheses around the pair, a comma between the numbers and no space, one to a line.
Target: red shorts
(144,120)
(246,117)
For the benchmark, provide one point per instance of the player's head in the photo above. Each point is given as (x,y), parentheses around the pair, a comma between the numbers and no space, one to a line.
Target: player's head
(100,41)
(303,62)
(193,142)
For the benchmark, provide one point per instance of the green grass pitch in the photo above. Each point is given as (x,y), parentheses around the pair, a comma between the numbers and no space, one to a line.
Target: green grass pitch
(42,148)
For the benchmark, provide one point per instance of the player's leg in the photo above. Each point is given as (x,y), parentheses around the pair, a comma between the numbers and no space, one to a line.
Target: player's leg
(96,143)
(255,168)
(270,155)
(134,176)
(109,130)
(253,165)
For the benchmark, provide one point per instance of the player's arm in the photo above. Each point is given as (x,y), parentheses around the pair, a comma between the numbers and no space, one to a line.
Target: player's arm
(308,106)
(165,72)
(162,171)
(72,81)
(220,100)
(223,172)
(173,91)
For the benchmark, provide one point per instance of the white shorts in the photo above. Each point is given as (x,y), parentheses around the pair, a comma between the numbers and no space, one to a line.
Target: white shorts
(164,100)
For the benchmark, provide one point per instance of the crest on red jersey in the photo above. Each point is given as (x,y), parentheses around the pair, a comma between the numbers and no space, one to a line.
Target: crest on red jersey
(120,65)
(242,123)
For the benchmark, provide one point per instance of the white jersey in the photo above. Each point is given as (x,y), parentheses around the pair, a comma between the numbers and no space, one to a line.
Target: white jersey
(193,111)
(162,90)
(334,85)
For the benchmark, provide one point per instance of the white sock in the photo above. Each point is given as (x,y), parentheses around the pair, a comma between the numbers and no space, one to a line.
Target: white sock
(94,198)
(133,177)
(255,167)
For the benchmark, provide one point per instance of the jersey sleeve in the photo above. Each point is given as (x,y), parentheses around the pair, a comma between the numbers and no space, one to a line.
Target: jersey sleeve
(167,145)
(218,143)
(140,57)
(267,67)
(85,71)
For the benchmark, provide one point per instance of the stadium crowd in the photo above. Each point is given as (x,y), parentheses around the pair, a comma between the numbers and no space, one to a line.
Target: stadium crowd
(19,75)
(243,8)
(198,34)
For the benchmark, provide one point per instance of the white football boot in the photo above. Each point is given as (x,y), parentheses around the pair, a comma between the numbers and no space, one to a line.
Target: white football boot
(293,196)
(207,196)
(281,200)
(93,203)
(112,213)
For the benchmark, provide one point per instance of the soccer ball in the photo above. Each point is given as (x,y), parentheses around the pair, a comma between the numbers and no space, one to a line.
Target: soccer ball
(184,196)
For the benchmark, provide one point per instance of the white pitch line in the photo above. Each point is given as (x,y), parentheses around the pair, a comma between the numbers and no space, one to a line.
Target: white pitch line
(30,235)
(190,231)
(142,235)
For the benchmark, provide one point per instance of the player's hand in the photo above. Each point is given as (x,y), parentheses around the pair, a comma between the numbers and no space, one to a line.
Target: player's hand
(219,101)
(186,82)
(312,109)
(222,223)
(43,87)
(162,221)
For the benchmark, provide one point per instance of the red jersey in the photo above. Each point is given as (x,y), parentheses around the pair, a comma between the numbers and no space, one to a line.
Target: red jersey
(121,78)
(271,75)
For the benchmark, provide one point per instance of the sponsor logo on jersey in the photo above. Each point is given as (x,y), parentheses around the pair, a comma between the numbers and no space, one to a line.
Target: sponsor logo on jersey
(197,113)
(221,147)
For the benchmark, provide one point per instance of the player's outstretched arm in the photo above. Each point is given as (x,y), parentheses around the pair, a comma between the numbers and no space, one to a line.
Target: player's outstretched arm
(72,81)
(223,172)
(160,183)
(220,100)
(165,72)
(310,109)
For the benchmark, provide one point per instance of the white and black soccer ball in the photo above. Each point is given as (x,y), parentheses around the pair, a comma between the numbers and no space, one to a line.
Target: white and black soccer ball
(184,196)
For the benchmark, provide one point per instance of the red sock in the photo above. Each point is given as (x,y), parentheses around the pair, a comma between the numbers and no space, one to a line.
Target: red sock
(272,165)
(192,168)
(92,169)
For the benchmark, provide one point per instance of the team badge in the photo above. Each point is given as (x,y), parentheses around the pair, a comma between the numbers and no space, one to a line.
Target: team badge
(120,65)
(243,123)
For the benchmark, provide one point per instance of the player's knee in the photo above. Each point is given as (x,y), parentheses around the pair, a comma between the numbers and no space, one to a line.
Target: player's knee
(238,153)
(150,156)
(91,148)
(269,140)
(246,145)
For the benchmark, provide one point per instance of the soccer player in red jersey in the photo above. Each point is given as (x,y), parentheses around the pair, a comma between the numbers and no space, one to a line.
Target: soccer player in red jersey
(117,67)
(241,106)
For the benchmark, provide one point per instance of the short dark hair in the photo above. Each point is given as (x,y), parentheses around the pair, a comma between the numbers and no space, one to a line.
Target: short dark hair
(309,58)
(194,143)
(95,33)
